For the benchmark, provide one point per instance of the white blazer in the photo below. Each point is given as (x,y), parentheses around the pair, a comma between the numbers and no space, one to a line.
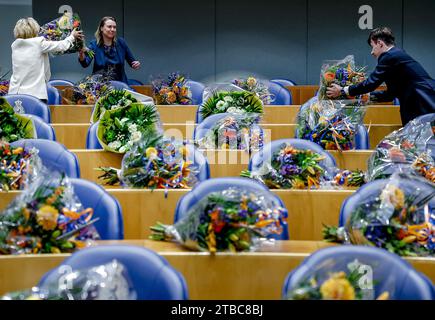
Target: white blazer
(31,66)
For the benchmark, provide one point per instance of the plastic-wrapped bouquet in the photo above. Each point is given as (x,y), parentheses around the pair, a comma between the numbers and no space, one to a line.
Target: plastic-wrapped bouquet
(46,218)
(113,100)
(349,178)
(14,126)
(257,87)
(236,132)
(172,90)
(88,90)
(4,85)
(229,220)
(110,281)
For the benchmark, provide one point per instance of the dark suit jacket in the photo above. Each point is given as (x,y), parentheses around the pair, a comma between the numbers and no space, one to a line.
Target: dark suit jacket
(405,79)
(101,60)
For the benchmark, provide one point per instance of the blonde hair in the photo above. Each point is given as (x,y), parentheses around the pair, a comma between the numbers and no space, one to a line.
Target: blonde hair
(26,28)
(99,33)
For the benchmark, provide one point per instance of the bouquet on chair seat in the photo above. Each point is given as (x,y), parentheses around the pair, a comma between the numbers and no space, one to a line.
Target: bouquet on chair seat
(88,90)
(172,90)
(257,87)
(14,126)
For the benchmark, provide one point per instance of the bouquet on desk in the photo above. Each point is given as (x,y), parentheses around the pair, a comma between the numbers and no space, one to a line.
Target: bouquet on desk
(120,129)
(14,126)
(343,73)
(404,150)
(330,124)
(235,132)
(110,281)
(400,218)
(258,88)
(155,163)
(328,281)
(18,167)
(349,178)
(172,90)
(292,168)
(46,218)
(229,220)
(229,99)
(88,90)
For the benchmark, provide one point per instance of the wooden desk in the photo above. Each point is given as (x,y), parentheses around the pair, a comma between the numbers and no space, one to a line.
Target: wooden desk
(252,275)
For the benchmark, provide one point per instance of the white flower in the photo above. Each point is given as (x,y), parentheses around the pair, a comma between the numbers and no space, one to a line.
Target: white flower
(122,149)
(221,105)
(132,128)
(136,136)
(235,110)
(228,99)
(115,145)
(124,120)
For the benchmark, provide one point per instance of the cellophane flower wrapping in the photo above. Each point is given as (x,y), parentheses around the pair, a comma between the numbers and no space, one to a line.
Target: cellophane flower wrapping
(229,220)
(343,278)
(400,218)
(60,28)
(404,150)
(19,167)
(88,90)
(292,168)
(46,217)
(234,132)
(119,129)
(259,88)
(228,98)
(110,281)
(330,123)
(14,126)
(171,90)
(4,84)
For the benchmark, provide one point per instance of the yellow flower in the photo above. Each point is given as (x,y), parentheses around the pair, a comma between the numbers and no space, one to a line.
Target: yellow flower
(150,152)
(47,217)
(251,81)
(394,195)
(337,288)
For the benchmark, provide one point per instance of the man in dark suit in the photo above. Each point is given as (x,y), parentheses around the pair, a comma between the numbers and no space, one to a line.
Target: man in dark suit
(405,79)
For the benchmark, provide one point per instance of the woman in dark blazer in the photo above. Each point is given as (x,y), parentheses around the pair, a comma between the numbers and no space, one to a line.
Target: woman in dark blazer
(109,52)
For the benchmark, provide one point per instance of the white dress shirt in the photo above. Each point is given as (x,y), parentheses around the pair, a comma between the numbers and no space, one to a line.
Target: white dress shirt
(31,66)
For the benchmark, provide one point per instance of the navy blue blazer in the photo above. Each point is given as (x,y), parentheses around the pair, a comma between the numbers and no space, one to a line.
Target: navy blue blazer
(102,61)
(405,79)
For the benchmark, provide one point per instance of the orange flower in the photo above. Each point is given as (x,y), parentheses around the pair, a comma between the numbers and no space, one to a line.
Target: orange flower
(184,91)
(47,217)
(171,97)
(329,76)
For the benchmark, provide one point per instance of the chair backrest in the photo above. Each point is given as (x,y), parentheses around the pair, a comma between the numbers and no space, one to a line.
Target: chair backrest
(284,82)
(91,138)
(54,97)
(60,82)
(120,85)
(43,129)
(152,277)
(396,102)
(134,82)
(106,208)
(197,90)
(280,94)
(388,270)
(219,184)
(269,149)
(362,141)
(53,155)
(373,189)
(31,105)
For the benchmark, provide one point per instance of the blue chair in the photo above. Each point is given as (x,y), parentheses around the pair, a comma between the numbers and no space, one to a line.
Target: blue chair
(152,277)
(219,184)
(195,156)
(43,129)
(54,155)
(197,90)
(60,82)
(120,85)
(374,188)
(54,97)
(106,208)
(388,269)
(31,105)
(396,102)
(284,82)
(269,149)
(280,95)
(134,82)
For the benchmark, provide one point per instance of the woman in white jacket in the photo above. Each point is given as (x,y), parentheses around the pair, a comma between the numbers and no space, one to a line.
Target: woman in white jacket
(30,63)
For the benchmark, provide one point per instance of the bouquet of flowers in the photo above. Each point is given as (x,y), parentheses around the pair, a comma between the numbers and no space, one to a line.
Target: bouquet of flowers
(113,100)
(88,90)
(14,126)
(46,218)
(172,90)
(400,218)
(60,28)
(105,282)
(329,123)
(343,73)
(328,281)
(155,163)
(119,129)
(4,85)
(234,131)
(259,89)
(18,167)
(229,220)
(349,178)
(230,99)
(291,168)
(403,150)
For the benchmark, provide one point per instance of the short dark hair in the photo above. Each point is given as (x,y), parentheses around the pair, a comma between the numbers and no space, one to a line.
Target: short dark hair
(384,33)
